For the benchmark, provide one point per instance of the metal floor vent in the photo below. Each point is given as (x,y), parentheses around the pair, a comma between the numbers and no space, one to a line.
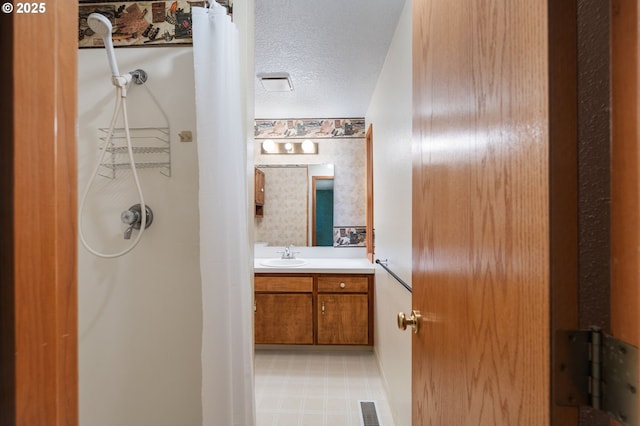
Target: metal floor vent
(369,413)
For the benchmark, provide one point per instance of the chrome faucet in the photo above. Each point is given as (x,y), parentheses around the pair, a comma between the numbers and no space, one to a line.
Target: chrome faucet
(288,252)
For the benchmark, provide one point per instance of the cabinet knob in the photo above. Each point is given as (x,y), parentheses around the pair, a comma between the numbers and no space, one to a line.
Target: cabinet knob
(342,285)
(323,308)
(413,321)
(261,189)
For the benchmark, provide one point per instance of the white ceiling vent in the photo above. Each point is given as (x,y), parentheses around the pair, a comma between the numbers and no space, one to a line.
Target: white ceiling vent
(276,82)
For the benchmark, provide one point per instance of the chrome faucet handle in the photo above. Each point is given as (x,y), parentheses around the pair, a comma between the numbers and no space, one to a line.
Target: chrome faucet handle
(133,218)
(288,252)
(129,217)
(285,254)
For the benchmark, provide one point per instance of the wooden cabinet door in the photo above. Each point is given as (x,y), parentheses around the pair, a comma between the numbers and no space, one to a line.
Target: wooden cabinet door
(283,318)
(343,319)
(259,187)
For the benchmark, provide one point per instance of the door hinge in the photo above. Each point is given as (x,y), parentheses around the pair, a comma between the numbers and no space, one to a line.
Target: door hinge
(596,370)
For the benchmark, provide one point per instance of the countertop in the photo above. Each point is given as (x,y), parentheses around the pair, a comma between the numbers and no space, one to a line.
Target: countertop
(319,266)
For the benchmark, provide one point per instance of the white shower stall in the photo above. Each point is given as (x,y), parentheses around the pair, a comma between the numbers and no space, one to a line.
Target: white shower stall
(141,315)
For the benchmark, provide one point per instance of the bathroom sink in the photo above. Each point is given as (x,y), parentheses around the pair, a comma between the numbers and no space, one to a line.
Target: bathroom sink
(283,263)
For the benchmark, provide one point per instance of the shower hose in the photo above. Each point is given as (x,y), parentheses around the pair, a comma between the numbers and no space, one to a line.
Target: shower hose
(121,105)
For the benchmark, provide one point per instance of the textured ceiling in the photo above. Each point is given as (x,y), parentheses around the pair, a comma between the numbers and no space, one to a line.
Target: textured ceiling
(333,50)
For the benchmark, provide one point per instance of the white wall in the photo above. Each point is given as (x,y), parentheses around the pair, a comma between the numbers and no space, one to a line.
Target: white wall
(140,316)
(390,114)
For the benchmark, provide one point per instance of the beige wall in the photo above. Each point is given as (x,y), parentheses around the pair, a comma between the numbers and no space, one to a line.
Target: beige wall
(390,114)
(285,207)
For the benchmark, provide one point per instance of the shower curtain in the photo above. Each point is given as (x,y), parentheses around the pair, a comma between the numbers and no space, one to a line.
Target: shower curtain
(227,338)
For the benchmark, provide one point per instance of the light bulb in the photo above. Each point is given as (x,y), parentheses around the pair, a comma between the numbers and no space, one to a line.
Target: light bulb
(307,146)
(268,145)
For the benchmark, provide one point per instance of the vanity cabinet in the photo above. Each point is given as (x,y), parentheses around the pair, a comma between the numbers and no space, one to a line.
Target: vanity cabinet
(259,192)
(320,309)
(283,310)
(343,310)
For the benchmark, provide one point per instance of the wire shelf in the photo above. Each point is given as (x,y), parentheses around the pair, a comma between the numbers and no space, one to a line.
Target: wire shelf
(136,150)
(150,145)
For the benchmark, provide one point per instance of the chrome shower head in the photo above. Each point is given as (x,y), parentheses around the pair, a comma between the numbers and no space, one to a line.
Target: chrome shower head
(101,25)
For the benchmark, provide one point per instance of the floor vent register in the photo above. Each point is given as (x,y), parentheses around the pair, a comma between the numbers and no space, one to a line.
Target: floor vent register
(369,413)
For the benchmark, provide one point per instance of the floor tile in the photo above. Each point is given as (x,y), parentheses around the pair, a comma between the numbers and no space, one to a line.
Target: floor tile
(306,388)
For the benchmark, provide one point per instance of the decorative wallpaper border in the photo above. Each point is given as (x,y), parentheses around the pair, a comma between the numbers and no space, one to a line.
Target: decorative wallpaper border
(141,23)
(310,128)
(349,236)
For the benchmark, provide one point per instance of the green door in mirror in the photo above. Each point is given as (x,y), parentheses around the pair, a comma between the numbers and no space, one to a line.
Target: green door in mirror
(323,211)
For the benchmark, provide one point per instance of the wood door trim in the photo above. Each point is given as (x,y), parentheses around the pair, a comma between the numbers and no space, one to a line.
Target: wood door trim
(625,172)
(625,176)
(7,262)
(563,185)
(43,253)
(370,241)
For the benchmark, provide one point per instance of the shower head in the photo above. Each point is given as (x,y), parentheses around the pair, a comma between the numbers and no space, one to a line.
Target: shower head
(102,26)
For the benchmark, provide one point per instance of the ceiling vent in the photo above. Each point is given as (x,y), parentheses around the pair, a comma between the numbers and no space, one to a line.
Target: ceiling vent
(276,82)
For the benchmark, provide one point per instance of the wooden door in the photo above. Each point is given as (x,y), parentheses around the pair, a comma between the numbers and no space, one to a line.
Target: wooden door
(321,213)
(483,208)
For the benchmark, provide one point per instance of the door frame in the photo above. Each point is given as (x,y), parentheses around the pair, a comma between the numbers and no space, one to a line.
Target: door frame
(38,260)
(625,172)
(370,235)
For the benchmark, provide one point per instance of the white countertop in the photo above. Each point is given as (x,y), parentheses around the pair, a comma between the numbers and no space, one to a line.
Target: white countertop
(320,266)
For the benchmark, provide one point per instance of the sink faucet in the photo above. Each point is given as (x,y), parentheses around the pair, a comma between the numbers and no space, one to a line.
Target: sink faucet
(288,252)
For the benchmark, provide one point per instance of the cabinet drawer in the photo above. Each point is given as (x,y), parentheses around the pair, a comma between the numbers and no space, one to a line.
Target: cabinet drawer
(344,284)
(284,284)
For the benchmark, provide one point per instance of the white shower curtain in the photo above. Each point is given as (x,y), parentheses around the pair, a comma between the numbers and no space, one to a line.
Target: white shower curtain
(227,339)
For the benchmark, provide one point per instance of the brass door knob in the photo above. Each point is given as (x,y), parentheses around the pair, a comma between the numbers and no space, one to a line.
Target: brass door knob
(413,321)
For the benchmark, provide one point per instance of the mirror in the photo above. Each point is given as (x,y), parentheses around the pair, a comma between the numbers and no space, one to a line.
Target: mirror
(347,155)
(298,205)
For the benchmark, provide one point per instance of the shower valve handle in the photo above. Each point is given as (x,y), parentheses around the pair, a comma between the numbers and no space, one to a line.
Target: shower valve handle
(133,218)
(129,217)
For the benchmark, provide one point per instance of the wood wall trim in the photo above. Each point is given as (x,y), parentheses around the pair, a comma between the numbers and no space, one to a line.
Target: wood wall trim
(44,216)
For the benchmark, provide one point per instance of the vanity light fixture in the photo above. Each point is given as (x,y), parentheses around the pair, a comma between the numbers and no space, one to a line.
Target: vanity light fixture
(307,146)
(276,81)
